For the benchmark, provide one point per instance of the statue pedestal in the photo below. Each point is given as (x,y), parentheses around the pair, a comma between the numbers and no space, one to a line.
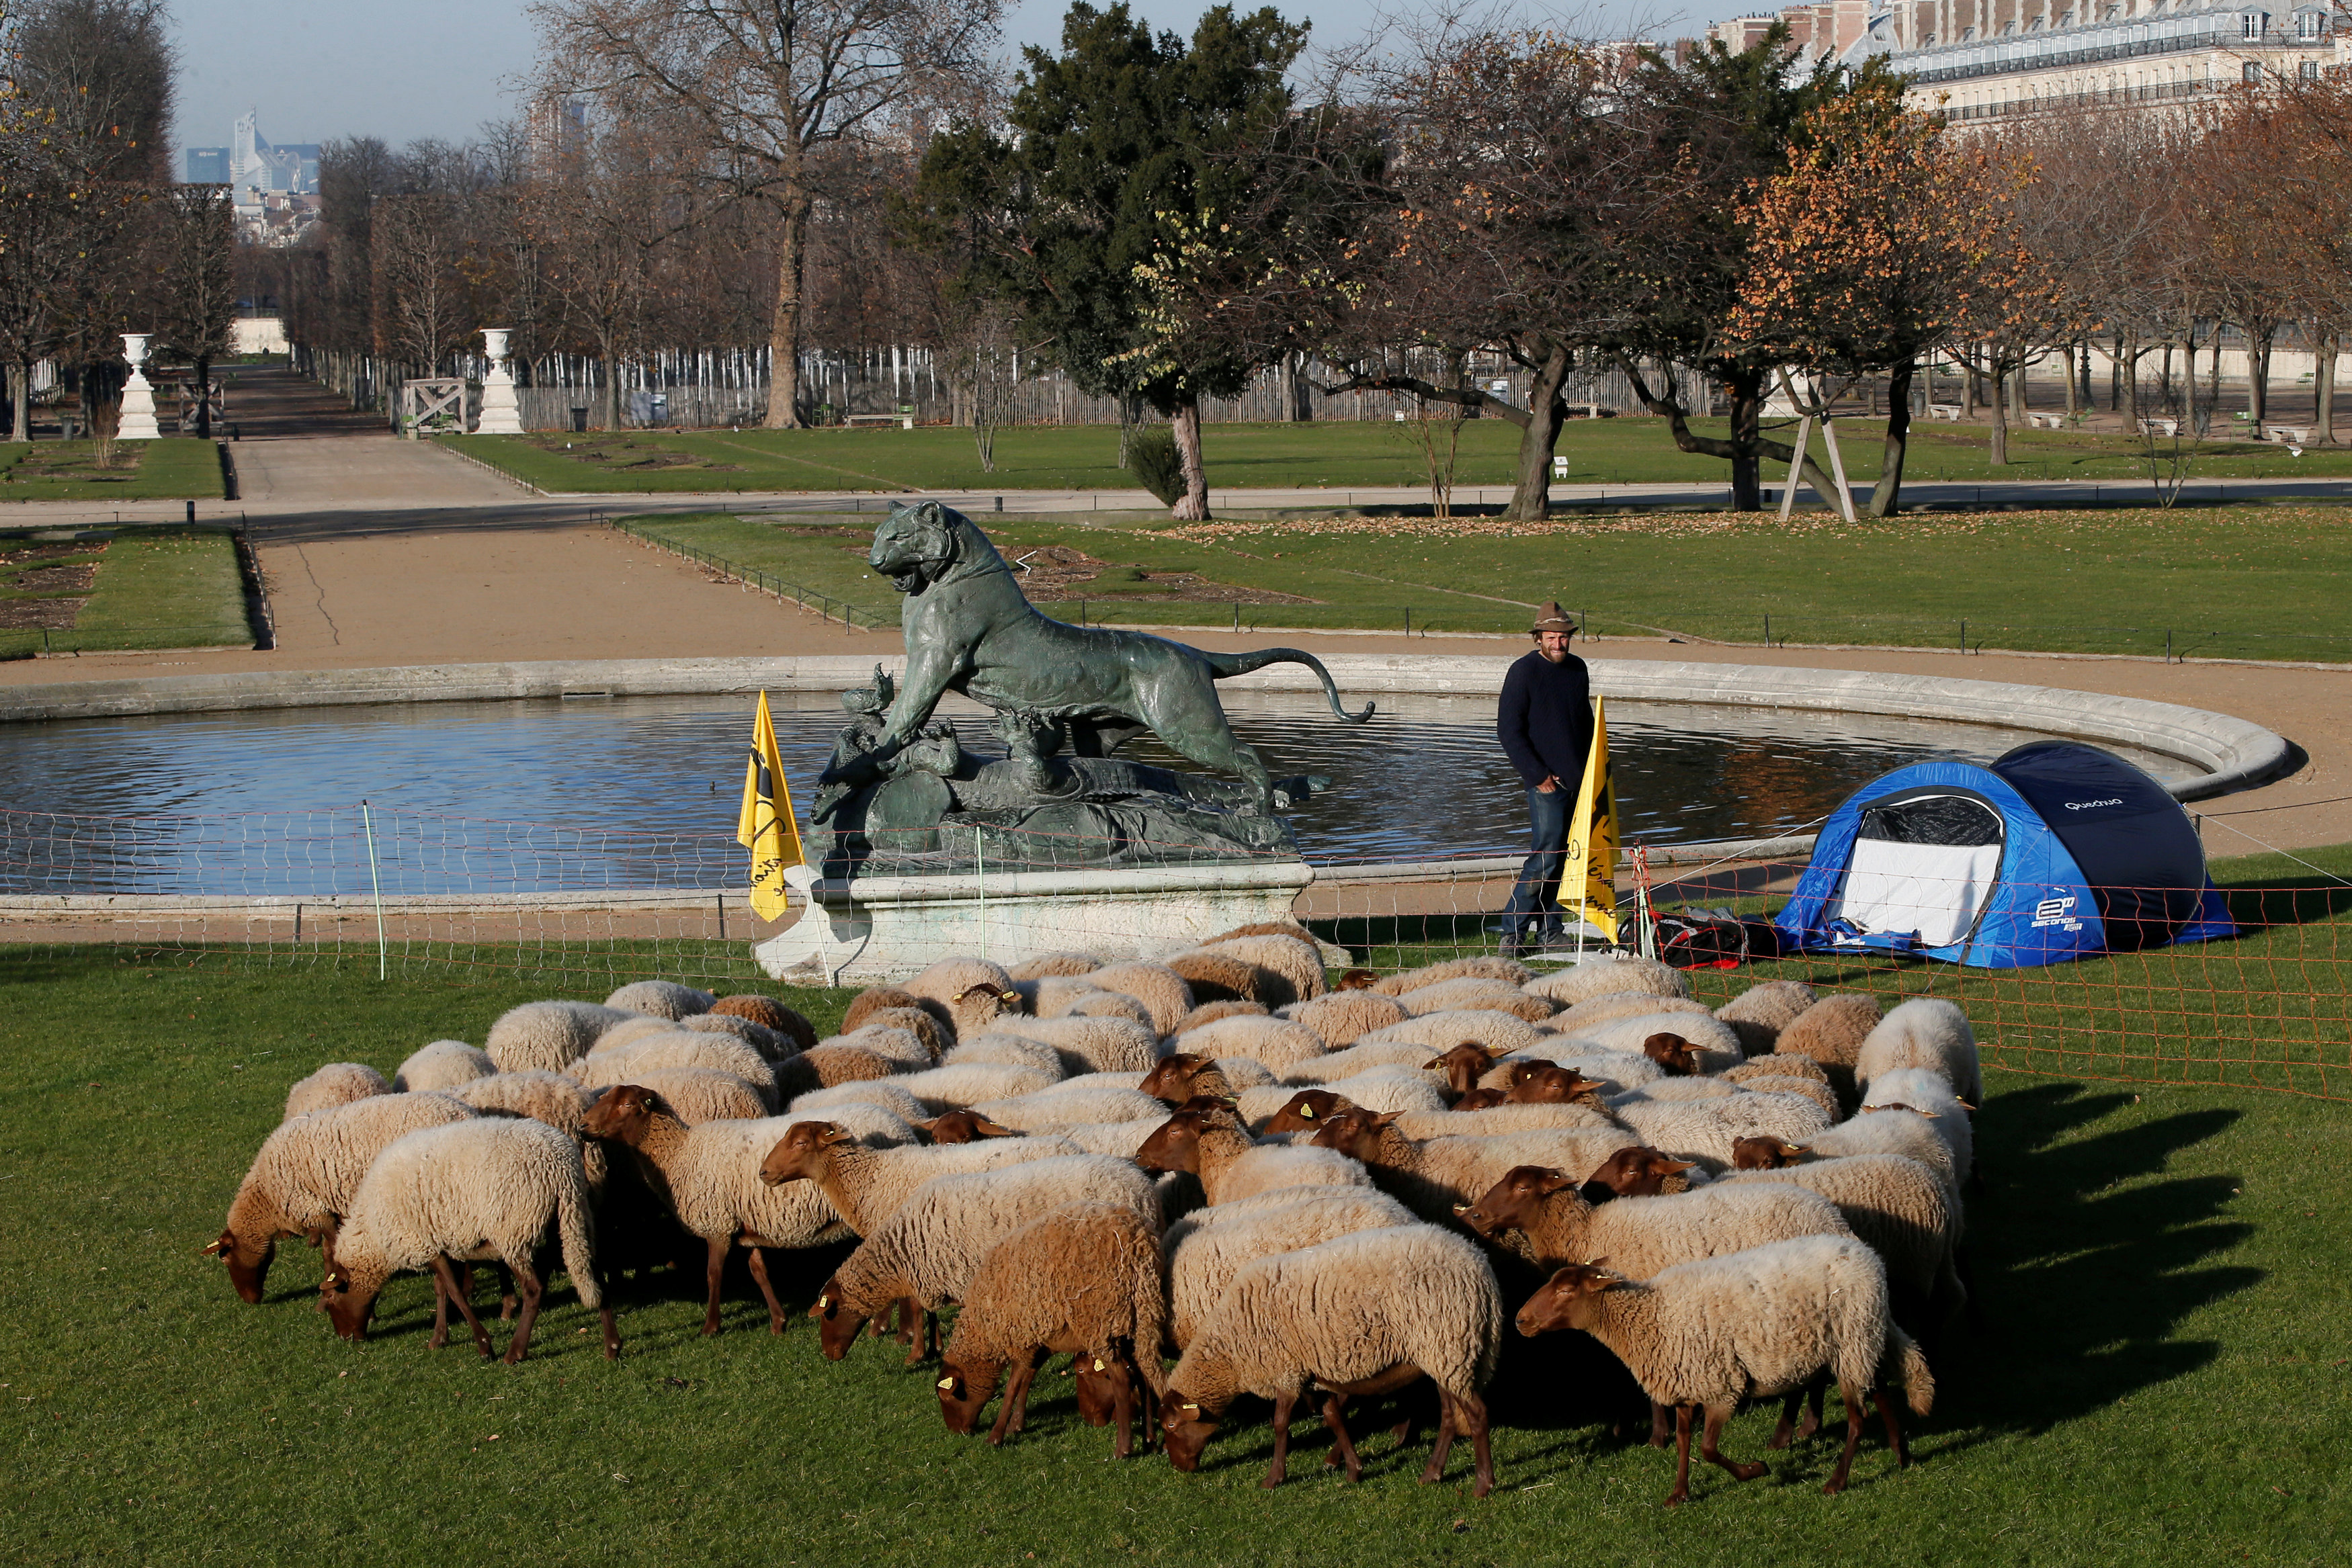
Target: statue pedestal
(500,415)
(875,929)
(137,420)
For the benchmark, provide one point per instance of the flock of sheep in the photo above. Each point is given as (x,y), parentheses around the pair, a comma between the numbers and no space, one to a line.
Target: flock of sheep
(1298,1192)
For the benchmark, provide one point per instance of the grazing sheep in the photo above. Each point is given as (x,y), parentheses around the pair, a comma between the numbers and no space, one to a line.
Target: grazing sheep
(1217,976)
(1051,1108)
(970,1083)
(1500,1120)
(1207,1247)
(1777,1065)
(769,1014)
(1900,1208)
(554,1098)
(550,1036)
(339,1084)
(963,1127)
(304,1175)
(1924,1091)
(929,1249)
(1209,1012)
(1120,1138)
(882,1092)
(679,1048)
(1477,966)
(1539,1214)
(1007,1051)
(1893,1132)
(1213,1146)
(1183,1075)
(1435,1176)
(1291,928)
(1760,1013)
(491,1188)
(1638,1172)
(1357,1059)
(1671,1090)
(442,1064)
(1613,1072)
(1769,1321)
(765,1041)
(699,1094)
(662,998)
(1929,1032)
(1704,1130)
(1092,1044)
(1831,1031)
(1100,1004)
(831,1066)
(1290,967)
(974,991)
(902,1047)
(1811,1089)
(1601,975)
(1051,996)
(1333,1313)
(1618,1005)
(1054,963)
(1500,1033)
(867,1186)
(879,998)
(1344,1018)
(632,1026)
(1378,1089)
(1717,1043)
(1471,992)
(929,1031)
(1274,1043)
(707,1176)
(1086,1280)
(1161,990)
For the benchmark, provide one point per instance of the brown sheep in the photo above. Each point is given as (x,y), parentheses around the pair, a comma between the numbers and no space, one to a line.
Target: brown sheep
(1209,1012)
(964,1127)
(769,1013)
(1217,976)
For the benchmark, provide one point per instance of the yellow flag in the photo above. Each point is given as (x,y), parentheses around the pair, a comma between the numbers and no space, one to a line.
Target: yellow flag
(1588,882)
(766,826)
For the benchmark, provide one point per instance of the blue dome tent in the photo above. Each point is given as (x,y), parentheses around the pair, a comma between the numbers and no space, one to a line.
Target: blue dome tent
(2057,850)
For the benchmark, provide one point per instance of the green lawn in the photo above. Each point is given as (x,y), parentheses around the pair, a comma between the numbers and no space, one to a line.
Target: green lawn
(171,469)
(158,588)
(2161,1375)
(1333,453)
(2260,583)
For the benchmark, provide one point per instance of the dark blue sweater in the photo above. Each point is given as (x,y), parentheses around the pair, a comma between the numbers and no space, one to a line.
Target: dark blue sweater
(1545,721)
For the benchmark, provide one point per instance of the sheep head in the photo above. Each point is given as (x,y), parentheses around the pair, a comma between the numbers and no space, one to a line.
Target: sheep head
(1513,1202)
(624,1114)
(248,1261)
(1637,1173)
(1176,1146)
(1678,1056)
(349,1304)
(1185,1426)
(964,1391)
(1760,1154)
(1482,1099)
(1357,1132)
(1306,1111)
(804,1153)
(1462,1065)
(1172,1080)
(1545,1083)
(1099,1382)
(964,1127)
(1358,980)
(1569,1300)
(837,1320)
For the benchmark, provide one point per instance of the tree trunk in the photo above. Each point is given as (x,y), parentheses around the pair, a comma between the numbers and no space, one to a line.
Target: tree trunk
(1999,407)
(1194,505)
(2323,381)
(20,401)
(1531,494)
(1889,488)
(2212,385)
(1130,420)
(1745,391)
(2258,378)
(203,397)
(2126,381)
(784,331)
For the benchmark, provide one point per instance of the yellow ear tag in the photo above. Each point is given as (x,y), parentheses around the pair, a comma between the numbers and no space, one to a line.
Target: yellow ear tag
(823,1302)
(1307,1112)
(946,1383)
(1098,1365)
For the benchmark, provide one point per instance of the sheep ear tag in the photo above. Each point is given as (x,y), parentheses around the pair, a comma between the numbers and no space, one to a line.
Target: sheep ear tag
(1307,1112)
(1098,1365)
(948,1384)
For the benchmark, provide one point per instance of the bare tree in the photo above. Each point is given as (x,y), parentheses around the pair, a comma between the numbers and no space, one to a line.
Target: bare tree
(194,289)
(764,83)
(421,303)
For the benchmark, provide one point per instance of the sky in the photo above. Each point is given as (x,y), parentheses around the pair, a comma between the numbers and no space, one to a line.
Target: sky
(401,70)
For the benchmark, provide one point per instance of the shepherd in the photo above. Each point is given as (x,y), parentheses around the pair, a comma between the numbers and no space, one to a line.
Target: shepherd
(1545,723)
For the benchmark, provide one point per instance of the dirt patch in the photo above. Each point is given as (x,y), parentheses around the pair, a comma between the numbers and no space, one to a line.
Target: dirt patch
(621,451)
(22,554)
(55,578)
(1062,573)
(39,615)
(75,460)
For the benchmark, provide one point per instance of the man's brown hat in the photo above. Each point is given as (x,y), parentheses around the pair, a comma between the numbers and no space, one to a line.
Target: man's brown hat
(1553,619)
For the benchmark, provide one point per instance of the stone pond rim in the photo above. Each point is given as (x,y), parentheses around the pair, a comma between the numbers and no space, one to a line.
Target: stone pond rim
(2233,753)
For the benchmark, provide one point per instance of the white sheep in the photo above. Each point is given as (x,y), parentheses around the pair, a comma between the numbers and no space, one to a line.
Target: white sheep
(679,1048)
(1050,996)
(882,1092)
(337,1083)
(443,1064)
(1086,1280)
(1501,1121)
(1500,1033)
(1925,1031)
(974,992)
(1006,1050)
(550,1036)
(1375,1089)
(1773,1319)
(1602,974)
(1540,1215)
(1094,1044)
(631,1028)
(1159,989)
(1435,1176)
(1760,1013)
(1292,967)
(1476,966)
(1343,1017)
(304,1175)
(1703,1131)
(1051,964)
(929,1247)
(661,998)
(1617,1071)
(492,1187)
(1207,1247)
(1273,1042)
(970,1083)
(867,1186)
(759,1036)
(699,1095)
(1357,1059)
(1471,992)
(1209,1012)
(1213,1146)
(1051,1107)
(905,1050)
(1618,1005)
(1334,1314)
(1716,1041)
(1901,1209)
(1923,1091)
(1904,1132)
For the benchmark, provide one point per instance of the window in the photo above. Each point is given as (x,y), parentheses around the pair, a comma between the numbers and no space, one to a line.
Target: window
(2309,70)
(2253,21)
(2251,71)
(2306,25)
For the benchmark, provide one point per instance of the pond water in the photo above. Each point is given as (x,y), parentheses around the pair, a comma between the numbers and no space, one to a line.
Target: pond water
(639,793)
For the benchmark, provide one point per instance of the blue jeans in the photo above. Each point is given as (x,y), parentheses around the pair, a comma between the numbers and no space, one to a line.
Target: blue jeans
(1537,891)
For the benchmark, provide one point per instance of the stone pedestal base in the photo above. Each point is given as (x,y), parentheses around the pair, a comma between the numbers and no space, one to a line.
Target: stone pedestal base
(137,421)
(501,415)
(876,929)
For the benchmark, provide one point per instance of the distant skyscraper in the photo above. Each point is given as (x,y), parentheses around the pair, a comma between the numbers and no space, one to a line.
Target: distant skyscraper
(207,166)
(255,166)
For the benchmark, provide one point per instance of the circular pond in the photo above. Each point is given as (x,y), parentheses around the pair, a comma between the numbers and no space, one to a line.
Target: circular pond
(538,795)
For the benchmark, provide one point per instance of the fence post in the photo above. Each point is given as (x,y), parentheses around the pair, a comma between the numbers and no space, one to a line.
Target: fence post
(1964,636)
(383,952)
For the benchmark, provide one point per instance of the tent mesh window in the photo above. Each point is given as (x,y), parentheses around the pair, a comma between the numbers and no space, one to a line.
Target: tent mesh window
(1922,864)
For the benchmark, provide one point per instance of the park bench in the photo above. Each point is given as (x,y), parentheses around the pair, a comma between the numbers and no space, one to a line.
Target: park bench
(2047,421)
(2160,427)
(905,420)
(2293,434)
(1950,412)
